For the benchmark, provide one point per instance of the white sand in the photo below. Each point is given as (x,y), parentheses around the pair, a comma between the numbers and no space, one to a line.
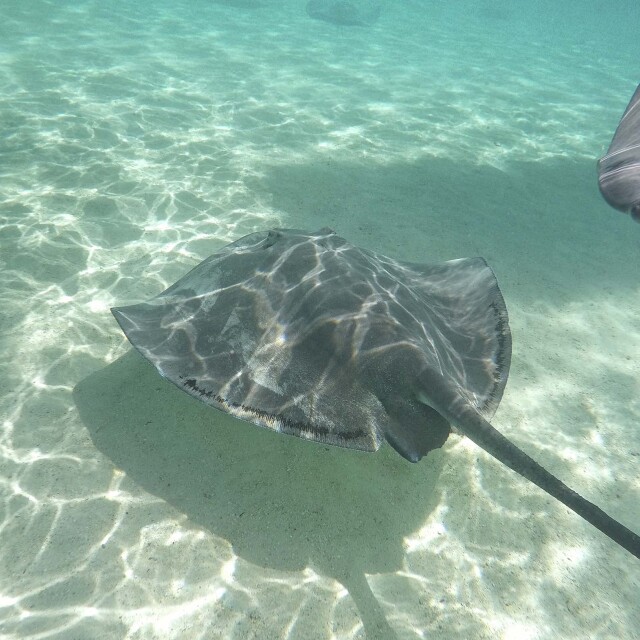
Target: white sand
(131,510)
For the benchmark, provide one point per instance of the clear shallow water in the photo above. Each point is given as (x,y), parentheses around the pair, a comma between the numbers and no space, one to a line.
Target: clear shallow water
(137,139)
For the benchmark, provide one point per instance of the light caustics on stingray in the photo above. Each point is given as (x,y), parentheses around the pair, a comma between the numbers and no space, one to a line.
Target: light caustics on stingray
(432,352)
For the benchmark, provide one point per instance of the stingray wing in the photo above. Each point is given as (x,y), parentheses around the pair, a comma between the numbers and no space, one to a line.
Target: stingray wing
(227,334)
(465,320)
(619,169)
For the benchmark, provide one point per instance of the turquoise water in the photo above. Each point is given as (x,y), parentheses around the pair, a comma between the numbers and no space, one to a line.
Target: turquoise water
(138,138)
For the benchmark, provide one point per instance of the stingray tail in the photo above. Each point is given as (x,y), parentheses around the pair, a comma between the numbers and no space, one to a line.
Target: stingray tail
(492,441)
(476,428)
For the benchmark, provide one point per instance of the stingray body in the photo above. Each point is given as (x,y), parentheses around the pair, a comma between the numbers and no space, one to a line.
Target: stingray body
(343,12)
(309,335)
(619,168)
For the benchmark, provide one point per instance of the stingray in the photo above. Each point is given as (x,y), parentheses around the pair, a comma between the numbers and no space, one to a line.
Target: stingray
(344,12)
(309,335)
(619,168)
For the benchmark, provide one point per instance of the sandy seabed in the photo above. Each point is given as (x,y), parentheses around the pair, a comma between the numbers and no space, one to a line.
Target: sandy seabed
(137,141)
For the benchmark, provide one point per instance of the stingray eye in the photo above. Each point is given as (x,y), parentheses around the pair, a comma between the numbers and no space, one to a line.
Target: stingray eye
(272,237)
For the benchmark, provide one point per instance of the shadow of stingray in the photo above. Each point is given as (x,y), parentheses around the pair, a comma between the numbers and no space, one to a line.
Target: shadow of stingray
(280,502)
